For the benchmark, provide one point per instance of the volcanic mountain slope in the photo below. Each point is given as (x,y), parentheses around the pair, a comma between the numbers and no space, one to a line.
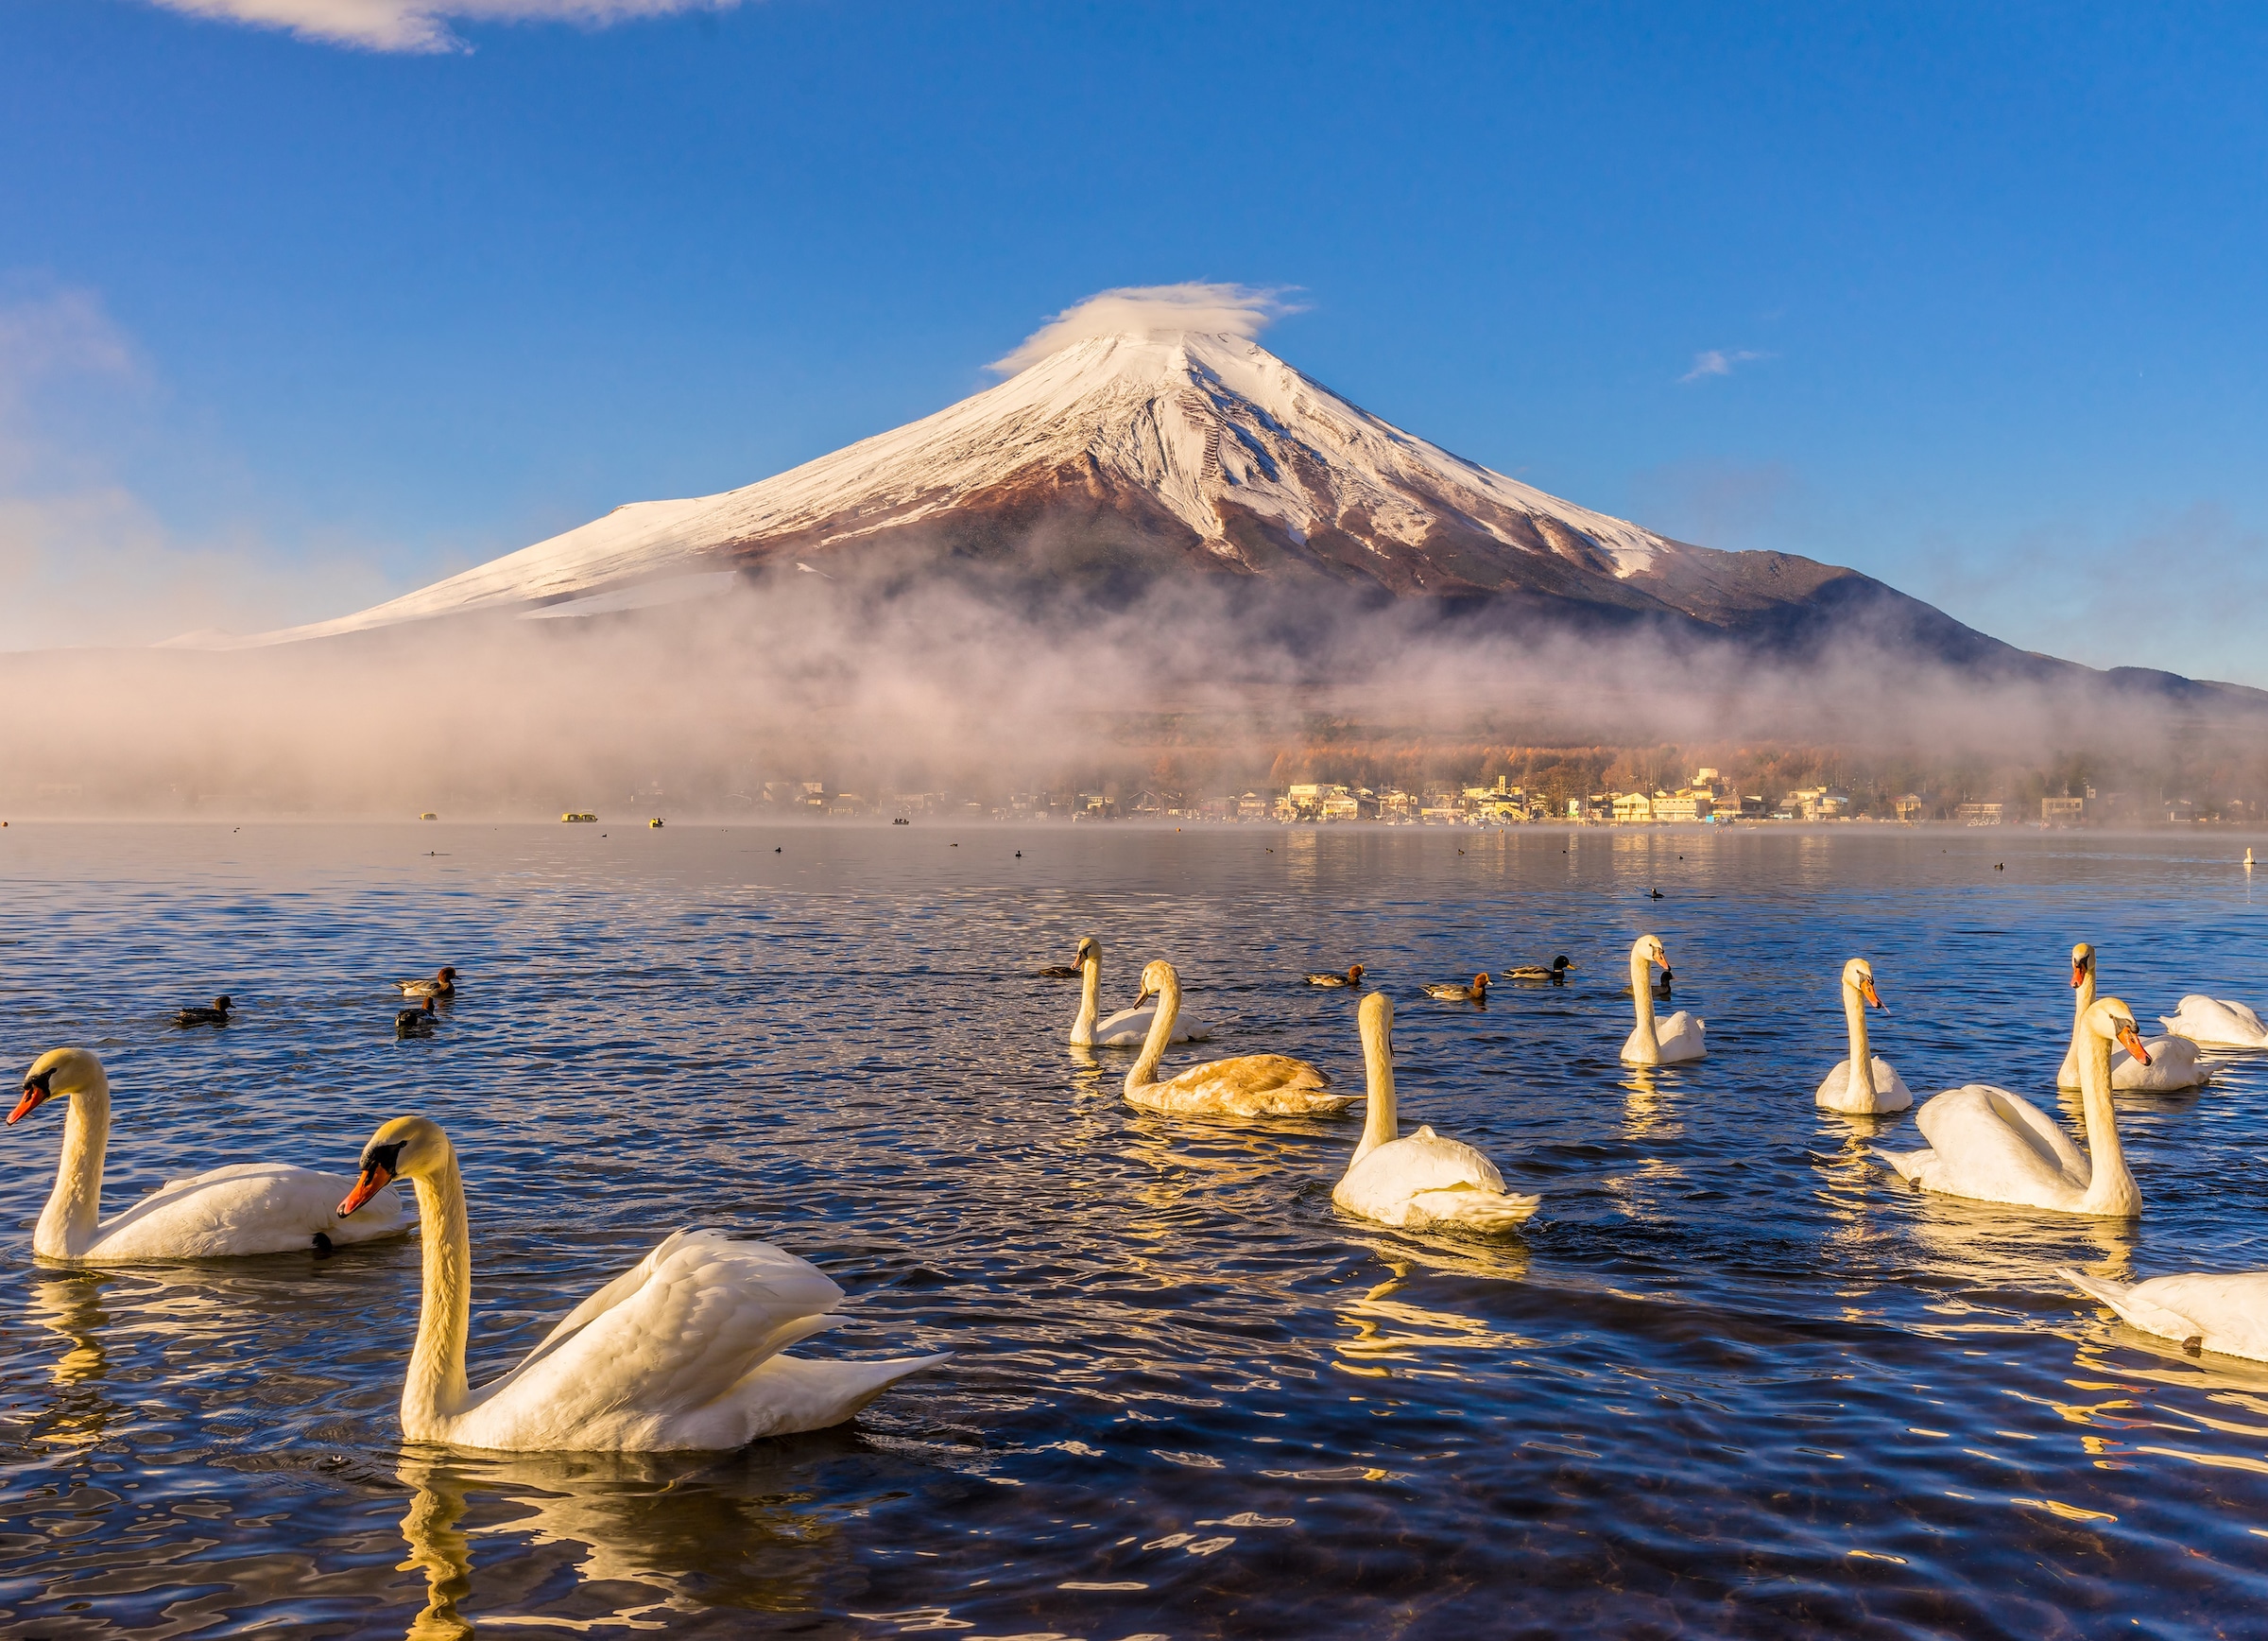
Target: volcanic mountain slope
(1178,453)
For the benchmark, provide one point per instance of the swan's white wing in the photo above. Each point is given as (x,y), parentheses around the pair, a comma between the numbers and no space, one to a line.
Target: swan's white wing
(243,1209)
(1426,1179)
(2227,1314)
(1987,1144)
(1681,1036)
(2217,1019)
(1130,1027)
(652,1355)
(1890,1091)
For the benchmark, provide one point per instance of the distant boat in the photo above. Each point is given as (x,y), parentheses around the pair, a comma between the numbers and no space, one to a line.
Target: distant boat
(429,815)
(578,815)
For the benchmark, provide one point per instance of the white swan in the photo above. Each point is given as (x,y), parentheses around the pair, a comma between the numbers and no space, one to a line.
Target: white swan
(1677,1038)
(684,1350)
(1128,1027)
(2216,1022)
(1243,1085)
(247,1208)
(1864,1083)
(1989,1145)
(1424,1182)
(2223,1314)
(2172,1062)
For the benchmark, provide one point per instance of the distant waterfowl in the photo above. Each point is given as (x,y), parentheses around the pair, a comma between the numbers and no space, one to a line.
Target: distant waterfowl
(682,1351)
(2216,1022)
(1450,992)
(1663,984)
(1423,1181)
(2226,1314)
(1245,1085)
(1128,1027)
(197,1014)
(1680,1037)
(441,985)
(1990,1145)
(1557,973)
(1353,977)
(1863,1084)
(1061,971)
(1656,894)
(2173,1063)
(242,1209)
(416,1022)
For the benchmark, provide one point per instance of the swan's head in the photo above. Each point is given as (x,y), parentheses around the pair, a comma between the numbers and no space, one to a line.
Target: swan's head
(1858,975)
(1155,978)
(1087,949)
(2083,964)
(59,1071)
(1376,1017)
(2112,1019)
(1648,950)
(405,1148)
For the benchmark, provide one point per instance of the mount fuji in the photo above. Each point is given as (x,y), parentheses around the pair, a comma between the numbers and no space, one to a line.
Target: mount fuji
(1170,454)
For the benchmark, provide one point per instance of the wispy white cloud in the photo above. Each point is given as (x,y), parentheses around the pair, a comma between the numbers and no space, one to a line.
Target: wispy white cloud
(1231,310)
(1719,362)
(422,24)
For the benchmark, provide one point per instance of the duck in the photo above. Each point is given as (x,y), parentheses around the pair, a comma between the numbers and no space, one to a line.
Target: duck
(441,985)
(1557,973)
(1863,1084)
(2172,1065)
(197,1014)
(2226,1314)
(2216,1022)
(1353,977)
(1424,1182)
(415,1022)
(1059,971)
(1450,992)
(243,1209)
(1128,1027)
(1680,1037)
(1244,1085)
(1990,1145)
(683,1352)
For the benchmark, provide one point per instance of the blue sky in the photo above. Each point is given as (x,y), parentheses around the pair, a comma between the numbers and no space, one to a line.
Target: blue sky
(289,322)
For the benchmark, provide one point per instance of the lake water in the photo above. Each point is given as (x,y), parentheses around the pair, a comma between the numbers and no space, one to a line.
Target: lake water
(1733,1378)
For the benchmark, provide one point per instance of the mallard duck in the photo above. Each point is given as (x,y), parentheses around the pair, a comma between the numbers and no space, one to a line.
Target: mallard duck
(1448,993)
(1557,973)
(415,1022)
(199,1015)
(1353,977)
(1660,987)
(441,985)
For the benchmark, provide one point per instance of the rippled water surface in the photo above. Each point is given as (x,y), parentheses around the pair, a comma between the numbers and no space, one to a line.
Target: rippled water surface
(1733,1379)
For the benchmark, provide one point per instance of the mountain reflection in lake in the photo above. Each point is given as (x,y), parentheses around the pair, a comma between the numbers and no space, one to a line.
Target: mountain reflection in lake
(1733,1378)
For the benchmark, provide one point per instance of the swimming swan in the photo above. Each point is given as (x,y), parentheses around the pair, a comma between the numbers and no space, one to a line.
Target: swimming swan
(682,1351)
(246,1208)
(1677,1038)
(1988,1145)
(1244,1085)
(2172,1062)
(2224,1314)
(1863,1084)
(1128,1027)
(1422,1182)
(2217,1023)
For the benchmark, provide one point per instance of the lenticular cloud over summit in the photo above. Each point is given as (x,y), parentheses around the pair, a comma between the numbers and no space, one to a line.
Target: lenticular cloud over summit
(1141,310)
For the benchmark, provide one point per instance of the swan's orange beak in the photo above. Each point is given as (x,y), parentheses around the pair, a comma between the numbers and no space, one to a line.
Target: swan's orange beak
(373,1180)
(1867,990)
(2078,976)
(36,1094)
(2131,1041)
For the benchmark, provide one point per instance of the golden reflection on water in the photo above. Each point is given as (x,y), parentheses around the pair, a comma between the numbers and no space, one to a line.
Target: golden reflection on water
(1388,1327)
(71,1305)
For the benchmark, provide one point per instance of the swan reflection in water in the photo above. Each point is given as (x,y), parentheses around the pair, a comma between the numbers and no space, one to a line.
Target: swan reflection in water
(72,1306)
(646,1538)
(1394,1334)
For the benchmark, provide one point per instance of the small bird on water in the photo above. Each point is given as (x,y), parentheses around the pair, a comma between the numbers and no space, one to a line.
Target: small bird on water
(1450,993)
(1353,977)
(1557,973)
(441,985)
(197,1015)
(415,1022)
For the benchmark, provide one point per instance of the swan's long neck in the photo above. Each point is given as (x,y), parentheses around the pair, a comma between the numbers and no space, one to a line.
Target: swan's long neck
(67,1224)
(1382,1124)
(2083,998)
(434,1390)
(1161,1028)
(2110,1187)
(1641,993)
(1091,991)
(1862,1052)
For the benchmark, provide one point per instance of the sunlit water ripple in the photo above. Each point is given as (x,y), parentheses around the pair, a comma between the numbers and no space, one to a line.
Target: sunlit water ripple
(1733,1379)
